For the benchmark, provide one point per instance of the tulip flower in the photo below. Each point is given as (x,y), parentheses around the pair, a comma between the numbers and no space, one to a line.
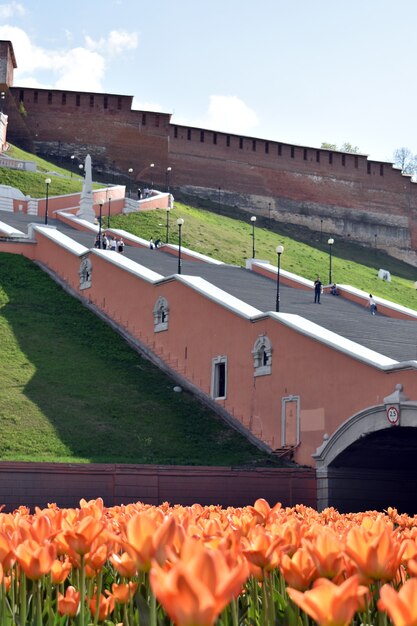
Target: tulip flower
(82,534)
(68,604)
(329,604)
(376,554)
(299,570)
(35,560)
(124,564)
(124,592)
(195,589)
(401,606)
(60,571)
(326,550)
(147,536)
(105,606)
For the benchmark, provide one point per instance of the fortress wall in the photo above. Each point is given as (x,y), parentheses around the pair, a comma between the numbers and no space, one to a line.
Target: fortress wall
(358,199)
(341,193)
(103,125)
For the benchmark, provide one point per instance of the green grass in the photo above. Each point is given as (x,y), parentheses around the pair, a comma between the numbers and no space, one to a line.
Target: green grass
(33,183)
(73,391)
(230,239)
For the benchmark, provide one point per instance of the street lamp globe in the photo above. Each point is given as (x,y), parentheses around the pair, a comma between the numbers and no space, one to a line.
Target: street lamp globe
(330,242)
(279,249)
(180,221)
(253,218)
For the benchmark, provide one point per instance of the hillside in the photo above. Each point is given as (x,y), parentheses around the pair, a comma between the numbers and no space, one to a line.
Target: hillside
(72,390)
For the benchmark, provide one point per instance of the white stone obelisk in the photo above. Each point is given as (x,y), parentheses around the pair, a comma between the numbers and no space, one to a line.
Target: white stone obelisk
(86,211)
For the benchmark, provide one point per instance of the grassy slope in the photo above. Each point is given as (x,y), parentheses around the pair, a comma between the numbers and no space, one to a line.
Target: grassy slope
(72,390)
(33,183)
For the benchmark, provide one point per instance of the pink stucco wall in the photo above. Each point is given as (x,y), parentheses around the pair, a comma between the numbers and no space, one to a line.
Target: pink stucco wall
(331,385)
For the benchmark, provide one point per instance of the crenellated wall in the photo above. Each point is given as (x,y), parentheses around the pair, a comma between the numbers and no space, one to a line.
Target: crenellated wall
(341,193)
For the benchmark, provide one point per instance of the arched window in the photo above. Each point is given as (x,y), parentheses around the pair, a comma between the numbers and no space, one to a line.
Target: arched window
(262,356)
(161,314)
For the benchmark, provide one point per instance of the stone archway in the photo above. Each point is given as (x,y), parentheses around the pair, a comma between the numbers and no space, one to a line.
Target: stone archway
(369,462)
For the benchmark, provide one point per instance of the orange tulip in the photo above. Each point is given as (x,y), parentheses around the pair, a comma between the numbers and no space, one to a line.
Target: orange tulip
(124,592)
(376,553)
(329,604)
(68,604)
(197,587)
(80,537)
(124,564)
(326,550)
(105,606)
(299,571)
(401,606)
(35,560)
(147,536)
(7,557)
(60,571)
(261,548)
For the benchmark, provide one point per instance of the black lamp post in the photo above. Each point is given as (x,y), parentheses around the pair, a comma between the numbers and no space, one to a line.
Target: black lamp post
(330,242)
(167,226)
(269,215)
(219,190)
(321,230)
(167,173)
(2,98)
(99,224)
(253,220)
(280,250)
(72,162)
(108,213)
(47,183)
(130,171)
(81,167)
(180,222)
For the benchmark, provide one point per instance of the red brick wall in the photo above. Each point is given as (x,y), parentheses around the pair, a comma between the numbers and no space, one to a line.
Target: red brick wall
(346,194)
(37,484)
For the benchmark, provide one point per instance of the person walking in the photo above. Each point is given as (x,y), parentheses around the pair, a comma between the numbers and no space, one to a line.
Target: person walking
(317,290)
(372,304)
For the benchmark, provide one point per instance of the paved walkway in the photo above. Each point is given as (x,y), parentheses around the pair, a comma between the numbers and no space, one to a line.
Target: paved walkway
(394,338)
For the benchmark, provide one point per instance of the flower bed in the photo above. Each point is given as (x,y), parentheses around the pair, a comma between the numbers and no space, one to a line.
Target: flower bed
(143,565)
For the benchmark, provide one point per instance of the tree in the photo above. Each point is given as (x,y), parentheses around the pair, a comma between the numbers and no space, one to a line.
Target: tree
(406,161)
(345,147)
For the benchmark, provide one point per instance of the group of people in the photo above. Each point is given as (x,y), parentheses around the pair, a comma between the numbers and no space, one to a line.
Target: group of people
(155,244)
(318,290)
(109,243)
(146,193)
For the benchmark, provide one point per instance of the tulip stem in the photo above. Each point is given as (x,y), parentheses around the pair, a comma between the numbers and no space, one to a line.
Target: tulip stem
(39,602)
(235,612)
(152,614)
(82,591)
(23,598)
(98,592)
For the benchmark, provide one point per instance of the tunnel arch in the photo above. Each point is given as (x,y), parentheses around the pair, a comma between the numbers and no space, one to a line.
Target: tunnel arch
(369,462)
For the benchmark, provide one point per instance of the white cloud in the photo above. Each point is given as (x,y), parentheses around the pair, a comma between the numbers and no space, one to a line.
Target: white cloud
(141,105)
(78,68)
(115,43)
(11,9)
(227,114)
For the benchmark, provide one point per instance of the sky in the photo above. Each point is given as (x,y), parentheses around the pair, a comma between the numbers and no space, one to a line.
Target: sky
(297,71)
